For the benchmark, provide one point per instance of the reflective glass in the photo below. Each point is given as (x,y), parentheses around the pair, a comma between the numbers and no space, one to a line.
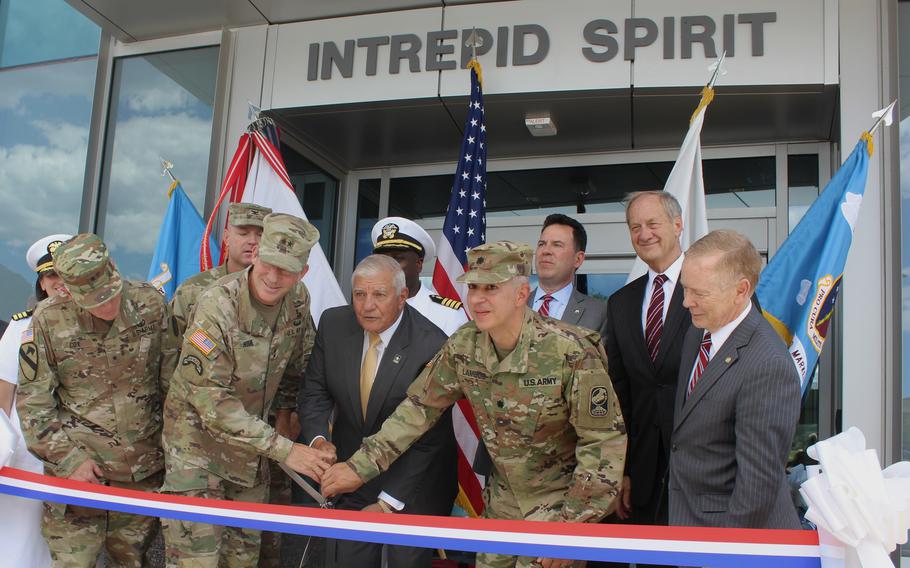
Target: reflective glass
(45,112)
(802,176)
(731,182)
(318,194)
(904,116)
(32,31)
(161,108)
(367,215)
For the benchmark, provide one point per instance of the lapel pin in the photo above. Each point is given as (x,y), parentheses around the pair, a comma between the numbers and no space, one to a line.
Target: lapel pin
(397,359)
(577,310)
(728,360)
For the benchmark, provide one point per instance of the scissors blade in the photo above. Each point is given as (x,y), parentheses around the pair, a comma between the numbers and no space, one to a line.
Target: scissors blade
(311,491)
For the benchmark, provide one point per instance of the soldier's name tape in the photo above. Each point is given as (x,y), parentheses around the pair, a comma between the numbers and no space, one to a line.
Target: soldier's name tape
(678,546)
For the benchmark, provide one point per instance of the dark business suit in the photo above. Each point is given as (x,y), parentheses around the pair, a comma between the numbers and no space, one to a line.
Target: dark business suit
(646,390)
(424,477)
(582,310)
(732,436)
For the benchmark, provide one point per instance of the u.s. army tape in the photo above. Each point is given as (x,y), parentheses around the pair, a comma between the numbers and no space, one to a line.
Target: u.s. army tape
(678,546)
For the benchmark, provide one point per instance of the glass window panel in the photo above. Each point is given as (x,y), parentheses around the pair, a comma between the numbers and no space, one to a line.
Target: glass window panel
(802,176)
(318,194)
(904,115)
(367,215)
(732,182)
(161,107)
(32,31)
(45,112)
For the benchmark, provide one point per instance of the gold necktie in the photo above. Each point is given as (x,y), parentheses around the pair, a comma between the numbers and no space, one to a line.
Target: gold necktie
(368,372)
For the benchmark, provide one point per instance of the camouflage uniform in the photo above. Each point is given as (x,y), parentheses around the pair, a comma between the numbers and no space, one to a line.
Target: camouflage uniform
(89,392)
(546,412)
(232,367)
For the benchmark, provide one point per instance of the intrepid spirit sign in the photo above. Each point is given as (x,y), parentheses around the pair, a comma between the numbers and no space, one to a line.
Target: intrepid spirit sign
(599,41)
(550,45)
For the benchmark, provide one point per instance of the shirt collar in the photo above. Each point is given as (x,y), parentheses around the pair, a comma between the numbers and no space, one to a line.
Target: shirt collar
(386,336)
(561,296)
(672,272)
(719,337)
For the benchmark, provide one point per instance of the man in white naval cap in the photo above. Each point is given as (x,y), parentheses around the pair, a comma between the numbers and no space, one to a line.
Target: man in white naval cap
(407,243)
(21,540)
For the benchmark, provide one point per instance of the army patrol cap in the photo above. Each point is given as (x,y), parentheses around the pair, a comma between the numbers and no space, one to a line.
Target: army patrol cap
(86,268)
(247,214)
(398,233)
(492,263)
(286,241)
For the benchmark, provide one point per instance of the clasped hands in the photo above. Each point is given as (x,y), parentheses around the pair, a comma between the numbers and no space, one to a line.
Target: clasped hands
(318,462)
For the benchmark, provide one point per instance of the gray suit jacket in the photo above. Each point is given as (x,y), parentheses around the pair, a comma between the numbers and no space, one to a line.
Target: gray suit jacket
(731,437)
(583,311)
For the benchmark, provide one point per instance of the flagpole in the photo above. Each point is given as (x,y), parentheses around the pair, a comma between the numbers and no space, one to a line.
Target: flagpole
(720,62)
(167,167)
(878,122)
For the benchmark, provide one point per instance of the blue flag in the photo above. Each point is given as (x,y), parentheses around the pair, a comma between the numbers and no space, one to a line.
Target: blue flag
(799,287)
(177,254)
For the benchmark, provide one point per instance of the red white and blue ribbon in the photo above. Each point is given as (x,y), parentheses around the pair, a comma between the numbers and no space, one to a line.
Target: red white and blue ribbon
(677,546)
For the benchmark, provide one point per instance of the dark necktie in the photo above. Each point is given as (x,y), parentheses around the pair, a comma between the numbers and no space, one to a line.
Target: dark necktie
(700,363)
(544,308)
(654,326)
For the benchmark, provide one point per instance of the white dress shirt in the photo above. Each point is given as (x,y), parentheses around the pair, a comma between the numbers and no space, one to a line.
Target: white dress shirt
(557,304)
(672,274)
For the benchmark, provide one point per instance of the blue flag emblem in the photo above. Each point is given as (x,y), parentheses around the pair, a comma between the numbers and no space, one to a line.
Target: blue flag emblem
(177,253)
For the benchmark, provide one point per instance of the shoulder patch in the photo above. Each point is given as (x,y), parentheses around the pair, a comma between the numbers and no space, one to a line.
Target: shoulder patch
(447,302)
(22,315)
(202,341)
(27,336)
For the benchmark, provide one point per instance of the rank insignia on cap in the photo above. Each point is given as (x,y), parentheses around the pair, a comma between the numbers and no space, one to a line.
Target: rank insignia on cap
(389,231)
(202,341)
(52,246)
(599,399)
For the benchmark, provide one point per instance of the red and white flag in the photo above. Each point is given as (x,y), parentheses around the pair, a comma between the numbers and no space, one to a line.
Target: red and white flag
(257,175)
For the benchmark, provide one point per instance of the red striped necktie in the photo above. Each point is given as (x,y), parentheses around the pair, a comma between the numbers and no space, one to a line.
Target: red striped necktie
(544,308)
(703,356)
(654,326)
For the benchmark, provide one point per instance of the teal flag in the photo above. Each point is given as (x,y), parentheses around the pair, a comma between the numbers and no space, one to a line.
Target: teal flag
(799,287)
(177,254)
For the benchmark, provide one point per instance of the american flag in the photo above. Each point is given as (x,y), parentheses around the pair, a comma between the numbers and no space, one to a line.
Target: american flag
(466,219)
(464,228)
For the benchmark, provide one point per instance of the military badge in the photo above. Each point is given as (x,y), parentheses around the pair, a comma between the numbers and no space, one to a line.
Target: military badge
(599,400)
(194,362)
(389,231)
(201,340)
(28,361)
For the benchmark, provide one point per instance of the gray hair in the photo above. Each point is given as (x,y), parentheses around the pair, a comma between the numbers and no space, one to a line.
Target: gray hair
(376,264)
(670,204)
(738,257)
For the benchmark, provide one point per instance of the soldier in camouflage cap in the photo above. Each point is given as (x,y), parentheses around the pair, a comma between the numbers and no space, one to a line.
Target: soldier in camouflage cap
(90,400)
(247,345)
(241,239)
(542,397)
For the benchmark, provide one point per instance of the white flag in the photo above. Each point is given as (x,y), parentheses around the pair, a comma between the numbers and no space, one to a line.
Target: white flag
(265,187)
(687,185)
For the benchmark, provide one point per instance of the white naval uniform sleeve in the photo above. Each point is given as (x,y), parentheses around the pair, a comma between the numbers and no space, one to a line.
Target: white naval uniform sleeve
(9,350)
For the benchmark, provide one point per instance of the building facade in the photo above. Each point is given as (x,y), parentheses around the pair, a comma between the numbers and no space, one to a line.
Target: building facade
(370,99)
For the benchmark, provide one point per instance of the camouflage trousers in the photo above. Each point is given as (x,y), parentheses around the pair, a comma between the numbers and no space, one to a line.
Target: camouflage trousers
(75,535)
(500,503)
(199,545)
(279,494)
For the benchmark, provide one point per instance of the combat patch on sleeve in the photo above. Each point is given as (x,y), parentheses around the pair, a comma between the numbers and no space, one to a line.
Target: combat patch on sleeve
(202,341)
(194,362)
(28,360)
(600,399)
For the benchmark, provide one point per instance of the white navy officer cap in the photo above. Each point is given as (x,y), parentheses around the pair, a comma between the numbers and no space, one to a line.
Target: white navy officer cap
(39,255)
(398,233)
